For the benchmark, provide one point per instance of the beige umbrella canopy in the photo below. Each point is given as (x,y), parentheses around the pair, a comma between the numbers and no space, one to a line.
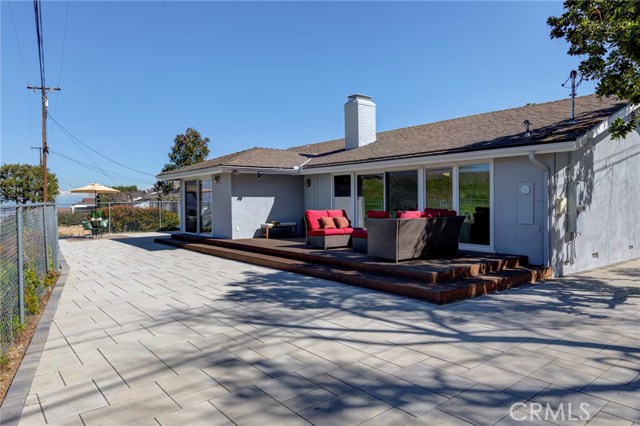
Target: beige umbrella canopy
(96,189)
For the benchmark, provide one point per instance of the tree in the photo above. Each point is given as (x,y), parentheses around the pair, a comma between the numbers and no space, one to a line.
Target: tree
(22,183)
(607,33)
(127,194)
(188,148)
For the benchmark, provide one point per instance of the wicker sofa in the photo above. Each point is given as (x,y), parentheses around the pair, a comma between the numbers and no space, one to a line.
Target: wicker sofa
(317,236)
(404,239)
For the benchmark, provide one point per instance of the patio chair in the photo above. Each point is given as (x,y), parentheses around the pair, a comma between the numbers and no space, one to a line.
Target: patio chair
(86,226)
(104,226)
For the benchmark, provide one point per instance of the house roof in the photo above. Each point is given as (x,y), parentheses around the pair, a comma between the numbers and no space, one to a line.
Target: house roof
(500,129)
(266,158)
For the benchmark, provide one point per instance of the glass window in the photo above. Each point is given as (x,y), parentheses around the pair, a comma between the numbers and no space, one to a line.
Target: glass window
(474,199)
(370,195)
(402,191)
(439,188)
(206,201)
(342,186)
(191,206)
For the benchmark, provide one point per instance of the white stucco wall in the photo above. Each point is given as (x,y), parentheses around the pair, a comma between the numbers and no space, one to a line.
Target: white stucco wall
(317,196)
(256,201)
(510,236)
(222,207)
(608,229)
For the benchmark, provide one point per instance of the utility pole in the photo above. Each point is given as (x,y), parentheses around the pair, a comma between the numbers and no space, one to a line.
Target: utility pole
(45,148)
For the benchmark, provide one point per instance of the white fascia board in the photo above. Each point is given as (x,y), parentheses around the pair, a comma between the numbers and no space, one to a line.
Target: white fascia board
(603,127)
(445,158)
(191,174)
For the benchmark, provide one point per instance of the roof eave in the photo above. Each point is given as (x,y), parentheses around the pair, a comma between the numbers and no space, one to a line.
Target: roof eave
(446,157)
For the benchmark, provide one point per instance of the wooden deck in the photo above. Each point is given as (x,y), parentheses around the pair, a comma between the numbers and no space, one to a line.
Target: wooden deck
(441,280)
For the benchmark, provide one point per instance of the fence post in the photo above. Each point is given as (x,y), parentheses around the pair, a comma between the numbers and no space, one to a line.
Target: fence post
(109,222)
(160,210)
(56,248)
(46,239)
(20,265)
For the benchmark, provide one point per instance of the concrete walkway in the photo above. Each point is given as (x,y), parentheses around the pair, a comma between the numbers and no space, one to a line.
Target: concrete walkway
(146,334)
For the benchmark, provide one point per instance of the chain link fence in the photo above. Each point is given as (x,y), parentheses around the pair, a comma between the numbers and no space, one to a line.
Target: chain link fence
(28,251)
(119,217)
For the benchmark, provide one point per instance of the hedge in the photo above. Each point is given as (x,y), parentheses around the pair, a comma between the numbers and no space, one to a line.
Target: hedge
(137,219)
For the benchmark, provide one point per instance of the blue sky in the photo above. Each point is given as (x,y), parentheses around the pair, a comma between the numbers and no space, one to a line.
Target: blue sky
(270,74)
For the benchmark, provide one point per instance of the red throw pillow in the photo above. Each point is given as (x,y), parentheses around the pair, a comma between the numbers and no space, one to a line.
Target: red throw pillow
(341,222)
(327,222)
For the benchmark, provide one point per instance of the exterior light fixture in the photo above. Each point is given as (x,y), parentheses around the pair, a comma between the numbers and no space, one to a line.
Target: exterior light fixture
(307,183)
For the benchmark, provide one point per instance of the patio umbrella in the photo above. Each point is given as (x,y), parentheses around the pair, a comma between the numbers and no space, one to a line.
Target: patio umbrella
(96,189)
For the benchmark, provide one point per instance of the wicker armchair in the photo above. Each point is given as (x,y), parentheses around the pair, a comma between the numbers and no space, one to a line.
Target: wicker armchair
(404,239)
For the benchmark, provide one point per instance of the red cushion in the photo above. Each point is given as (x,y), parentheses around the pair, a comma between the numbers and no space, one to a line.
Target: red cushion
(378,214)
(450,213)
(359,233)
(328,232)
(313,218)
(341,222)
(409,214)
(335,213)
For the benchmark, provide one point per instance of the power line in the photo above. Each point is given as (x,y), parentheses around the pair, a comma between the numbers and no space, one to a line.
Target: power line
(89,157)
(15,31)
(64,39)
(40,39)
(92,168)
(71,135)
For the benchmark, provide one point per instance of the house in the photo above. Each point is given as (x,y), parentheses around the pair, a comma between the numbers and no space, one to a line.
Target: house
(530,180)
(87,204)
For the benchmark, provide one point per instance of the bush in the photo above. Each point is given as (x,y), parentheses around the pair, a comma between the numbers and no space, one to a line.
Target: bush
(137,219)
(31,285)
(70,219)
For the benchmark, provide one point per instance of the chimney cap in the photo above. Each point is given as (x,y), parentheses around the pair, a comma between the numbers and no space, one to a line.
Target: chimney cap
(359,96)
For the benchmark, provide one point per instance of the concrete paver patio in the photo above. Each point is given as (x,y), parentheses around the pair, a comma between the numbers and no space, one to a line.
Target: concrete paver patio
(146,334)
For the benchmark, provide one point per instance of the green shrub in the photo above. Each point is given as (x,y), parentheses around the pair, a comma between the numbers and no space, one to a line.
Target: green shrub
(31,284)
(137,219)
(70,219)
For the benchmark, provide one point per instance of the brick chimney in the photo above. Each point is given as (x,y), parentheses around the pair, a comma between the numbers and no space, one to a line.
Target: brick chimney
(359,121)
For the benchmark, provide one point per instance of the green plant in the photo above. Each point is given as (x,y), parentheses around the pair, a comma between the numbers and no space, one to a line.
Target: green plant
(16,325)
(4,359)
(31,284)
(136,219)
(71,219)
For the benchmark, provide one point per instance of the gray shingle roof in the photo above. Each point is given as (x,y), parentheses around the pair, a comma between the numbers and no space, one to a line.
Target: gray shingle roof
(493,130)
(500,129)
(266,158)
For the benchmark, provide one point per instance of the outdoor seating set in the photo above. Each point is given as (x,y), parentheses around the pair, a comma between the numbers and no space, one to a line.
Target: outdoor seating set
(95,224)
(410,235)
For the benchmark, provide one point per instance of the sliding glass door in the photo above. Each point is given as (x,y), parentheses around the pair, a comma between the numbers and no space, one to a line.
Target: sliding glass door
(191,206)
(198,203)
(465,188)
(439,187)
(370,195)
(206,201)
(474,189)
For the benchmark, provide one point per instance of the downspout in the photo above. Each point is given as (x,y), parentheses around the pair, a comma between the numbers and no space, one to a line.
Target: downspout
(547,222)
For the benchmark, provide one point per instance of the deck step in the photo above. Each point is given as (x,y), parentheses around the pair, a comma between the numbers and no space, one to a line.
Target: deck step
(439,293)
(454,272)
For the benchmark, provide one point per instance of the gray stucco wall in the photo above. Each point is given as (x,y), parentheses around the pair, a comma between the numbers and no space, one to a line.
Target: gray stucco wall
(318,195)
(608,229)
(510,236)
(256,201)
(222,207)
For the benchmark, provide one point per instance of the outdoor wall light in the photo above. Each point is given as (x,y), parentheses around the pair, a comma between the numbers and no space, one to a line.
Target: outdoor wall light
(307,183)
(259,176)
(216,178)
